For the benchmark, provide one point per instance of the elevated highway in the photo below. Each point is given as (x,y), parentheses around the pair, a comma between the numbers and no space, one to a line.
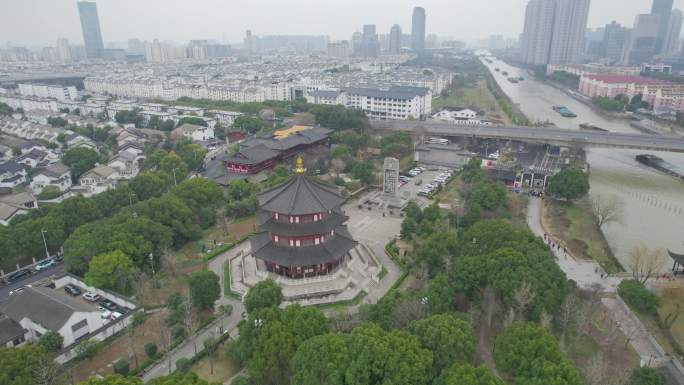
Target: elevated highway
(546,135)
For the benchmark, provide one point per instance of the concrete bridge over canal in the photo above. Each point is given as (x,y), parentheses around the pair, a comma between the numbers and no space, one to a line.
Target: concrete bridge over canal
(546,135)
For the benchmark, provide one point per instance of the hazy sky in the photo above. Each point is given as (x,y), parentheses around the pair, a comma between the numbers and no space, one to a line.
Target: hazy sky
(40,22)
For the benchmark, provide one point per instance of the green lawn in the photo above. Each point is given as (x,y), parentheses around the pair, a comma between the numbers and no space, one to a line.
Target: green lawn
(573,222)
(478,97)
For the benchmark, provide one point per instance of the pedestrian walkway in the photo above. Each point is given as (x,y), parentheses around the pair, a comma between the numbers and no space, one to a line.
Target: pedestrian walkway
(588,274)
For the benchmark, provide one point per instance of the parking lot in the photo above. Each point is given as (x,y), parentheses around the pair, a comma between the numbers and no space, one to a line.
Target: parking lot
(411,189)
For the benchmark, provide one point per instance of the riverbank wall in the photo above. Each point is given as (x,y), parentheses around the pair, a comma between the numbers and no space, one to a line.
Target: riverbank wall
(511,109)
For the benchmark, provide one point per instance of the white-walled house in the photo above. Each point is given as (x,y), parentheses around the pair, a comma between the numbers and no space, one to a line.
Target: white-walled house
(193,132)
(12,174)
(97,180)
(56,174)
(126,164)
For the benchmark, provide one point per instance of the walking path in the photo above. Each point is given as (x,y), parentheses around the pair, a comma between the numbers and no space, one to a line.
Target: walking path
(587,274)
(194,343)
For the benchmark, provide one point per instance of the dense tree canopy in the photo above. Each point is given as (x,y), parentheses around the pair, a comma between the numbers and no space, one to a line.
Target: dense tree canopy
(270,361)
(531,355)
(466,374)
(570,183)
(80,160)
(321,360)
(111,271)
(339,117)
(129,117)
(449,338)
(249,124)
(647,376)
(204,289)
(26,365)
(488,195)
(51,341)
(264,294)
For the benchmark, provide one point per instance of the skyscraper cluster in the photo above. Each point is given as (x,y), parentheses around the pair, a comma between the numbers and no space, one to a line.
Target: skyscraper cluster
(369,43)
(554,31)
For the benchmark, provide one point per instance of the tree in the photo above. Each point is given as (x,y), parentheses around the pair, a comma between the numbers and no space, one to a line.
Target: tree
(250,124)
(488,195)
(80,160)
(167,125)
(5,110)
(436,250)
(113,380)
(638,296)
(49,192)
(647,376)
(606,209)
(321,360)
(531,355)
(86,349)
(153,161)
(111,271)
(570,184)
(264,294)
(440,294)
(174,167)
(275,345)
(304,322)
(339,117)
(122,367)
(192,120)
(56,122)
(183,365)
(203,197)
(147,185)
(210,345)
(18,366)
(466,374)
(645,262)
(129,117)
(51,341)
(192,154)
(151,350)
(363,171)
(449,338)
(204,289)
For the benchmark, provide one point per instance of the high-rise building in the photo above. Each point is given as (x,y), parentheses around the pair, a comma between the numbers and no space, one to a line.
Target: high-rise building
(569,26)
(614,39)
(63,50)
(339,49)
(554,31)
(395,39)
(643,39)
(249,42)
(663,9)
(418,30)
(90,25)
(538,31)
(370,45)
(135,46)
(674,29)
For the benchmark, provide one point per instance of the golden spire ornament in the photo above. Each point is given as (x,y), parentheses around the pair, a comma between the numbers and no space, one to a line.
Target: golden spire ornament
(300,165)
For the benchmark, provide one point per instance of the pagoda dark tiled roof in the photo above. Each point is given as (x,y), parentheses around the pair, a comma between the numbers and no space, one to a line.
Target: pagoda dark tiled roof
(332,221)
(331,250)
(300,196)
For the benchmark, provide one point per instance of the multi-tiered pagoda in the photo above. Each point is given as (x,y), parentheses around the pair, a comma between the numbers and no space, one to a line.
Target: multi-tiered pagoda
(303,231)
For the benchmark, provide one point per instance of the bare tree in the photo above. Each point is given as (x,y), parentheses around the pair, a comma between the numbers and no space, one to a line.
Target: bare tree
(45,372)
(645,262)
(408,310)
(523,297)
(606,209)
(672,316)
(597,370)
(189,319)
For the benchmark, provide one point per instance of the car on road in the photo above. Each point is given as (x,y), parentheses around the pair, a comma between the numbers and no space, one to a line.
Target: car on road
(46,264)
(107,304)
(115,315)
(90,296)
(17,290)
(72,290)
(17,275)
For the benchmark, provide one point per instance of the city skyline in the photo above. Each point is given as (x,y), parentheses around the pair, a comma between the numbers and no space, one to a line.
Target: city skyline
(339,22)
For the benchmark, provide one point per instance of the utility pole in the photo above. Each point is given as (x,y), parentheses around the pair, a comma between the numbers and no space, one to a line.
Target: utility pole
(47,253)
(175,183)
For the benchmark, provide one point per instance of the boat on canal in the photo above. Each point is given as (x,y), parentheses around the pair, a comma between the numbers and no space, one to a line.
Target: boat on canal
(564,112)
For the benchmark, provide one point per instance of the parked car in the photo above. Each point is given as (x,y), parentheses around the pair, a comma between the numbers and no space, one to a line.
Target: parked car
(72,290)
(17,275)
(45,264)
(115,315)
(107,304)
(90,296)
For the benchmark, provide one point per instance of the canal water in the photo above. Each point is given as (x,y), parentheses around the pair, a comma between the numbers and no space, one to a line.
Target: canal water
(653,202)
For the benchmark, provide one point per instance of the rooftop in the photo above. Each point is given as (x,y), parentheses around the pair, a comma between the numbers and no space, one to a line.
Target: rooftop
(619,79)
(299,196)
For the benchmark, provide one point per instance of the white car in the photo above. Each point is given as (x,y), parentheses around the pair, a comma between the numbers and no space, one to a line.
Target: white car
(90,296)
(115,315)
(45,264)
(106,314)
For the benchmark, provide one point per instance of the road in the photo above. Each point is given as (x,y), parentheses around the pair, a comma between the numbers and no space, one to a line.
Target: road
(54,270)
(549,135)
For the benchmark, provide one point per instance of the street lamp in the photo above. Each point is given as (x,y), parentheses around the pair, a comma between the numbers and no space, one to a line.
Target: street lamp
(47,253)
